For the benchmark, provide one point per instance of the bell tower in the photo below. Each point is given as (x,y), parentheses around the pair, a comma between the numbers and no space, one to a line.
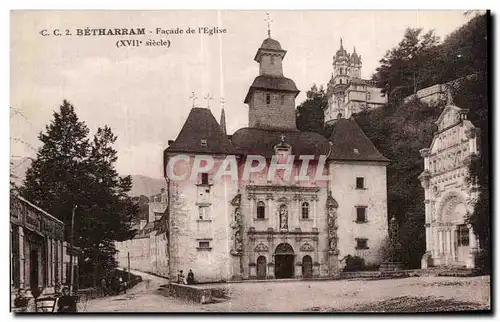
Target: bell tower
(271,98)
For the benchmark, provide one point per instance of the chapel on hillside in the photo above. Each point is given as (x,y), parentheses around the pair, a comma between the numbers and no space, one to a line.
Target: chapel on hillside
(266,228)
(450,240)
(347,92)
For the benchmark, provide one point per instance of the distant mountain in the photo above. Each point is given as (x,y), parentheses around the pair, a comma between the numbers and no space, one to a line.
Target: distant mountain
(147,186)
(18,168)
(141,184)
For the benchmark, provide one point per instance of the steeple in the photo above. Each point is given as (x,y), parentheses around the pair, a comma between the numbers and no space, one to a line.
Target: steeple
(223,121)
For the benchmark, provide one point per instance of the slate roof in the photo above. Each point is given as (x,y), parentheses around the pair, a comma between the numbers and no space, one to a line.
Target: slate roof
(350,143)
(254,141)
(270,43)
(272,83)
(201,125)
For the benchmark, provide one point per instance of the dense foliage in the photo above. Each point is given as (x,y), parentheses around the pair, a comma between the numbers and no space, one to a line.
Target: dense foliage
(72,173)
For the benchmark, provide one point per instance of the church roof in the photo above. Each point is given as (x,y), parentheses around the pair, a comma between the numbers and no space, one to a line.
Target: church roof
(254,141)
(350,143)
(272,83)
(359,81)
(201,125)
(272,44)
(355,58)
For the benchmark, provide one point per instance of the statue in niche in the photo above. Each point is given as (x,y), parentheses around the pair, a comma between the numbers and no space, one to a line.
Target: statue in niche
(333,243)
(238,241)
(332,215)
(237,216)
(283,217)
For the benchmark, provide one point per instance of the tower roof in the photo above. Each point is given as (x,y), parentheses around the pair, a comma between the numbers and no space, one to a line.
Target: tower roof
(341,53)
(269,45)
(355,58)
(201,125)
(272,83)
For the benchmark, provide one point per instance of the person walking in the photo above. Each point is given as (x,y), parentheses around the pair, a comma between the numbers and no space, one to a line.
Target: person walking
(190,277)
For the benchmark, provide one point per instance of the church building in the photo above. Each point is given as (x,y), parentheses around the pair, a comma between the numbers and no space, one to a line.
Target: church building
(347,92)
(450,241)
(273,226)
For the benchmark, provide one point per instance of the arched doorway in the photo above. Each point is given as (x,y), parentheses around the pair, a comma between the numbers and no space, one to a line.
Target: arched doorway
(261,267)
(307,266)
(284,261)
(454,241)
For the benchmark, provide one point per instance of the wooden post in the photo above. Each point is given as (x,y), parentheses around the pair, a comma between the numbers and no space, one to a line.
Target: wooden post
(71,274)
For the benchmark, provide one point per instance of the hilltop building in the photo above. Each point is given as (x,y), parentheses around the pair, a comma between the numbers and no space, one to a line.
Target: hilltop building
(347,92)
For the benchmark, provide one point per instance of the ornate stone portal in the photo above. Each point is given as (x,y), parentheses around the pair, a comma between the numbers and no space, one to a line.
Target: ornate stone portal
(449,197)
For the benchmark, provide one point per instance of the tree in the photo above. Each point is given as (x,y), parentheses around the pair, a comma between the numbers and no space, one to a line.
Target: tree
(404,69)
(69,170)
(310,115)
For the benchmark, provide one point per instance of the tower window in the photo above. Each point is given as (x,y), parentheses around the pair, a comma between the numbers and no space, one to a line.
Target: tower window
(261,210)
(203,143)
(272,60)
(268,98)
(360,214)
(203,213)
(360,183)
(204,178)
(282,99)
(305,210)
(340,81)
(361,243)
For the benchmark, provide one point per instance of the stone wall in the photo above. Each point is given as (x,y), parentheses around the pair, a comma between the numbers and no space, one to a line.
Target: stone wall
(275,114)
(188,230)
(373,197)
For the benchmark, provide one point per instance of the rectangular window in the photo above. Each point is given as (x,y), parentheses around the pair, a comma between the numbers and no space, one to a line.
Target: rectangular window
(204,244)
(361,243)
(463,235)
(204,178)
(282,99)
(203,213)
(268,99)
(360,183)
(360,214)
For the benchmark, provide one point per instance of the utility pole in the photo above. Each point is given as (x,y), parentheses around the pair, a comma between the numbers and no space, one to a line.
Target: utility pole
(71,274)
(128,262)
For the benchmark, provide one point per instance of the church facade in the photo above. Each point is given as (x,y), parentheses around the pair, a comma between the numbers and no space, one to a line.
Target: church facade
(450,241)
(347,92)
(269,222)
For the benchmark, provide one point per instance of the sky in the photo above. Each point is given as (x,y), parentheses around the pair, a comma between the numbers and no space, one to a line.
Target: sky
(143,93)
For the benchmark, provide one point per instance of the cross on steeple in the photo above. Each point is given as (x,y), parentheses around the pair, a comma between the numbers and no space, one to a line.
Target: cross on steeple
(341,43)
(222,102)
(193,97)
(282,138)
(268,20)
(208,98)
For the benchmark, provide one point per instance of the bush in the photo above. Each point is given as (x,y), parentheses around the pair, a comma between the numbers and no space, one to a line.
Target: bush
(483,261)
(354,263)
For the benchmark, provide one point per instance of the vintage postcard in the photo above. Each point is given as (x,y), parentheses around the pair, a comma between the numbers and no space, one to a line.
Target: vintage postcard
(249,161)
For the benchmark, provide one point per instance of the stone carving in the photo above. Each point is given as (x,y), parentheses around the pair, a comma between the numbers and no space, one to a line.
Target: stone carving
(283,212)
(261,247)
(306,247)
(238,241)
(331,207)
(237,226)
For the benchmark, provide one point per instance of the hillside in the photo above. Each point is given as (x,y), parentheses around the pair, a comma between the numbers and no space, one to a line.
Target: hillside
(146,186)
